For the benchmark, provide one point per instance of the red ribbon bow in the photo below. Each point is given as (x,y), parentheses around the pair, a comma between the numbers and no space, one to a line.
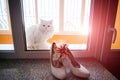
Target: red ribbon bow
(63,49)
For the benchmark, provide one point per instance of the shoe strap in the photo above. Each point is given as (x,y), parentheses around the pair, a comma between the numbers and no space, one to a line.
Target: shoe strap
(73,61)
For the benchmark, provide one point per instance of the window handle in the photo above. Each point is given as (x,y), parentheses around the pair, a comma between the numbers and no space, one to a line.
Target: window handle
(114,33)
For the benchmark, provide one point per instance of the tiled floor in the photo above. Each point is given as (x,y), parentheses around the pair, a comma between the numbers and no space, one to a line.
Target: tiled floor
(40,70)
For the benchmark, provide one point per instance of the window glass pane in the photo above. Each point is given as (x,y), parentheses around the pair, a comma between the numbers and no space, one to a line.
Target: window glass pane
(35,10)
(72,14)
(29,12)
(41,18)
(76,15)
(3,16)
(49,10)
(6,42)
(76,21)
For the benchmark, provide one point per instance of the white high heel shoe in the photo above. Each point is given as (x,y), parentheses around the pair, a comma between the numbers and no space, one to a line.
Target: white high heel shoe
(76,68)
(58,63)
(57,67)
(80,72)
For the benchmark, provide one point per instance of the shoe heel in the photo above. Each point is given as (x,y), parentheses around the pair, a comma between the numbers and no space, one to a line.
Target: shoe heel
(58,72)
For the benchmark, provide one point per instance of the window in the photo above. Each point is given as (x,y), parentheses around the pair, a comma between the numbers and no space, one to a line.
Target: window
(6,42)
(34,10)
(19,25)
(76,15)
(67,15)
(70,17)
(4,17)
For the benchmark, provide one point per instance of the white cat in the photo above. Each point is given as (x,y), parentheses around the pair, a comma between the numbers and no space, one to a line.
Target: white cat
(37,35)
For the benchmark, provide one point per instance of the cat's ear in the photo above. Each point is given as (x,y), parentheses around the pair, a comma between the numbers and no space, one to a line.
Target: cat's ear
(51,21)
(41,20)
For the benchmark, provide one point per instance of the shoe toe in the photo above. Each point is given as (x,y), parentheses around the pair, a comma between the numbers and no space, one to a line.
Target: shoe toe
(58,72)
(81,72)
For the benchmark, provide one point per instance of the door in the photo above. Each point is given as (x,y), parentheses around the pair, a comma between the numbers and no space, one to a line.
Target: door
(110,53)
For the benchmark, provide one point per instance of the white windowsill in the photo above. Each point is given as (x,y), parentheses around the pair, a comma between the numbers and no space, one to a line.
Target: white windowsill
(6,47)
(71,46)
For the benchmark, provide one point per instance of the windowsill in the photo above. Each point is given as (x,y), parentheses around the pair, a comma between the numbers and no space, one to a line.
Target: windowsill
(6,47)
(71,46)
(78,46)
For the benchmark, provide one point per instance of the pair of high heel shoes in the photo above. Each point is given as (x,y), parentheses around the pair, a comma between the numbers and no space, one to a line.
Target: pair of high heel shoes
(63,62)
